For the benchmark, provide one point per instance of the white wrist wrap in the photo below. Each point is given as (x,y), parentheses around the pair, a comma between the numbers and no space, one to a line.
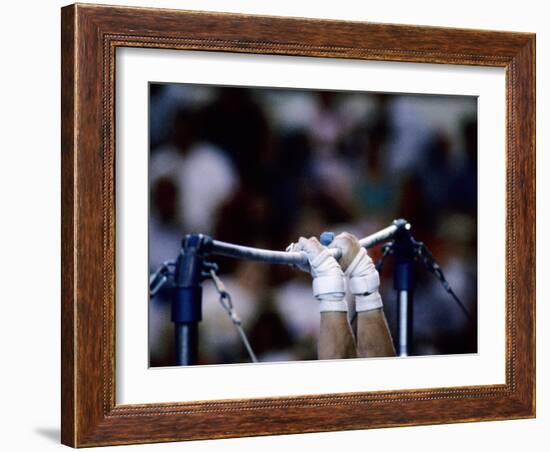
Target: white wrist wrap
(329,287)
(370,302)
(329,284)
(359,285)
(362,274)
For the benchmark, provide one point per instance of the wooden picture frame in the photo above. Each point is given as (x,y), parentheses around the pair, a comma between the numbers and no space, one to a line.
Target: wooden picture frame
(90,36)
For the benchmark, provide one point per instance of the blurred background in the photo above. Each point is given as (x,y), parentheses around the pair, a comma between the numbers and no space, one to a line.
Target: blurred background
(264,166)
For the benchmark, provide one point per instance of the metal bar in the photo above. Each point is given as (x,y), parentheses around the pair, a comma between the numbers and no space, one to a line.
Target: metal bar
(217,247)
(256,254)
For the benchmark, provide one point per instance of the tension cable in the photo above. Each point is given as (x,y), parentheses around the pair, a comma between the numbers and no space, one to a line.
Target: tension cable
(227,304)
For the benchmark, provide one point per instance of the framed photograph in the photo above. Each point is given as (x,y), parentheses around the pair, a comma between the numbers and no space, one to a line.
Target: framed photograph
(282,225)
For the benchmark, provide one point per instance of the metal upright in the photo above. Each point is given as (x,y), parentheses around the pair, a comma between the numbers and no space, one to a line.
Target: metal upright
(403,250)
(187,298)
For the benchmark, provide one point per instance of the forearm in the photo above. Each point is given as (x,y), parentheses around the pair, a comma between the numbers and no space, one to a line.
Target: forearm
(335,337)
(373,334)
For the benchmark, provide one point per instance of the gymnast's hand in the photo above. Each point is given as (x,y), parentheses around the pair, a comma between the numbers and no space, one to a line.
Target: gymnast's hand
(328,279)
(350,247)
(363,278)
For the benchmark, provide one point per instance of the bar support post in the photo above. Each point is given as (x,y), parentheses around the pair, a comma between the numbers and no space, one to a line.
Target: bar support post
(187,299)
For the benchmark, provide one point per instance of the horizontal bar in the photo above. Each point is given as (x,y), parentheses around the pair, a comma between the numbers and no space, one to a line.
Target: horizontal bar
(219,248)
(256,254)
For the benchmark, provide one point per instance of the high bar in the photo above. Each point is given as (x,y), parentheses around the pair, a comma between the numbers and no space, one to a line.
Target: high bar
(219,248)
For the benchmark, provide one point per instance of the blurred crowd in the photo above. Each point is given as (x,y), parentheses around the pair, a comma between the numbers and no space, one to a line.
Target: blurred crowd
(262,167)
